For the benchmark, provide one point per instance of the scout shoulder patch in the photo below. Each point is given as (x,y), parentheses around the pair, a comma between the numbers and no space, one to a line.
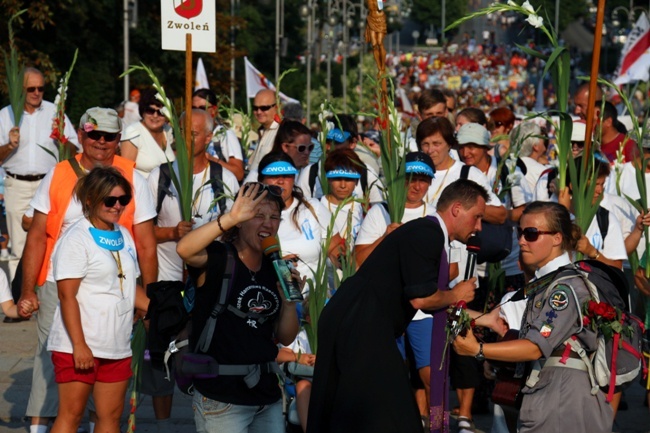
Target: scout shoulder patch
(559,298)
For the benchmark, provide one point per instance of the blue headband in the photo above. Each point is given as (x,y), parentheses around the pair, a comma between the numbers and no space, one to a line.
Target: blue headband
(342,172)
(279,168)
(111,240)
(418,167)
(338,135)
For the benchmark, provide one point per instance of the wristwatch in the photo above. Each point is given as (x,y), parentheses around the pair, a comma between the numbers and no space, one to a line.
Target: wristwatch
(479,356)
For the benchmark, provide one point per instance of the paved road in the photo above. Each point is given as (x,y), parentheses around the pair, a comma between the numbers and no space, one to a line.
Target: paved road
(17,343)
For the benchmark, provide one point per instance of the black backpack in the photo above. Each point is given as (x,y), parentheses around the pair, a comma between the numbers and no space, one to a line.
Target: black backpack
(216,181)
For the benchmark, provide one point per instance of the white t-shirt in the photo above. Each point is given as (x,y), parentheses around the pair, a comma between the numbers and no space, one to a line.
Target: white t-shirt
(533,171)
(351,212)
(145,208)
(5,290)
(150,155)
(375,224)
(444,177)
(228,141)
(170,265)
(374,185)
(304,242)
(106,308)
(613,246)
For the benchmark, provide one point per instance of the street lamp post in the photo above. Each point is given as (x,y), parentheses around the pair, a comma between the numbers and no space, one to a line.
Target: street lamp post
(309,11)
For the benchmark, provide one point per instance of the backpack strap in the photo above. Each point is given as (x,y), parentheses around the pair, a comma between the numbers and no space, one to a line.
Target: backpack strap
(164,183)
(216,181)
(364,180)
(464,171)
(205,339)
(582,353)
(76,167)
(313,174)
(602,217)
(522,166)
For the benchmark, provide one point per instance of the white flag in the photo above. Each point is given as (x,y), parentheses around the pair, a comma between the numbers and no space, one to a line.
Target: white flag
(635,58)
(256,81)
(201,80)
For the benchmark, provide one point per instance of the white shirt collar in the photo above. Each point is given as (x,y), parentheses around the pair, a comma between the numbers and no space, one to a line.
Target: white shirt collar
(553,265)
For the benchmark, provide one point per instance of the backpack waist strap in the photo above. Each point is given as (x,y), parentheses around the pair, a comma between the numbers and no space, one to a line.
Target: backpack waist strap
(574,363)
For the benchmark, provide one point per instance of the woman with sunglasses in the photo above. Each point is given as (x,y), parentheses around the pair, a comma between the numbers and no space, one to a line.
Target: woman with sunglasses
(95,267)
(561,389)
(257,314)
(304,220)
(148,142)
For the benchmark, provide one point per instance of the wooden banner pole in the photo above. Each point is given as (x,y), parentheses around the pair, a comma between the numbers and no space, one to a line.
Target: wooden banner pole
(188,97)
(593,82)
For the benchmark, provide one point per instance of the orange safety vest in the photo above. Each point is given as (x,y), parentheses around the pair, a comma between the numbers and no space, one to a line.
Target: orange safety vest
(64,180)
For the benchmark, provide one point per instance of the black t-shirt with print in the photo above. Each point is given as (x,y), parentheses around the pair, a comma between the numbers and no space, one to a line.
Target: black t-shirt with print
(237,340)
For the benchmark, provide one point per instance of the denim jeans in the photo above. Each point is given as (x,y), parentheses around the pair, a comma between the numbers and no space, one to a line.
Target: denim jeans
(211,416)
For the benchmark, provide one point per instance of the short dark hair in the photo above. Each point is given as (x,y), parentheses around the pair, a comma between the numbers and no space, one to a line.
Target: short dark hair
(347,123)
(464,191)
(92,189)
(430,97)
(293,111)
(287,133)
(434,125)
(206,94)
(147,99)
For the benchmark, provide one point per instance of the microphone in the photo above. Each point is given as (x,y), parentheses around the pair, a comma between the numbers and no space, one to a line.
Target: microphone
(473,247)
(290,286)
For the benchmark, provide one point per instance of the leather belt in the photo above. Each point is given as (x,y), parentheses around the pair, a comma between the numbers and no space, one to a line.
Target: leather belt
(26,177)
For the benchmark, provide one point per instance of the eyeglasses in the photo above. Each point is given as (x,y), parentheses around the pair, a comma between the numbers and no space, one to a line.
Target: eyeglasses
(263,107)
(531,234)
(35,88)
(97,135)
(274,190)
(151,111)
(202,107)
(111,200)
(302,147)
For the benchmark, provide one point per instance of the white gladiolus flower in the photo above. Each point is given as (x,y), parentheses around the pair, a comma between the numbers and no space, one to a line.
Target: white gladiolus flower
(400,151)
(57,99)
(535,21)
(514,179)
(330,126)
(511,163)
(529,8)
(511,3)
(165,111)
(161,99)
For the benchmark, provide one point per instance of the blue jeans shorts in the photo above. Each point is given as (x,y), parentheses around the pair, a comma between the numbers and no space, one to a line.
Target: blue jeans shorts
(211,416)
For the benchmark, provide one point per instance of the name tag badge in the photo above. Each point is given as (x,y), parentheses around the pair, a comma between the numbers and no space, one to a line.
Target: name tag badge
(454,255)
(124,306)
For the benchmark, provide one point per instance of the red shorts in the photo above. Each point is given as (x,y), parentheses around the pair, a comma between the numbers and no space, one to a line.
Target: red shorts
(105,370)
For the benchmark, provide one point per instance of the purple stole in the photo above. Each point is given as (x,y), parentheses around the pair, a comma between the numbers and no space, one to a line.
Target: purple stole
(439,394)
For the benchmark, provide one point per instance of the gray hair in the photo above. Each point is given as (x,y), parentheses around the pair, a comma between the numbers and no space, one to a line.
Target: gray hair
(209,122)
(526,135)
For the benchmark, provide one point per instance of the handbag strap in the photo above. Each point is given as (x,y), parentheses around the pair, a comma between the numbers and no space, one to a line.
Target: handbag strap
(226,285)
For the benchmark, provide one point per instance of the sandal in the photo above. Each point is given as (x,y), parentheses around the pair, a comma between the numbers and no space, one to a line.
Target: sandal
(465,425)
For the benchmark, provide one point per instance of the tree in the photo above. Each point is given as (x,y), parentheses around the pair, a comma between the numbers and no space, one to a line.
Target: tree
(430,12)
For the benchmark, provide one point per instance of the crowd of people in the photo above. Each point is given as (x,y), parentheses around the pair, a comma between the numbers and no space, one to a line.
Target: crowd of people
(89,235)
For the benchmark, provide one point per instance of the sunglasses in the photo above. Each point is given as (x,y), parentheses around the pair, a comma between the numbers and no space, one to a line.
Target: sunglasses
(202,107)
(97,135)
(151,111)
(40,89)
(531,234)
(111,200)
(302,147)
(263,107)
(273,190)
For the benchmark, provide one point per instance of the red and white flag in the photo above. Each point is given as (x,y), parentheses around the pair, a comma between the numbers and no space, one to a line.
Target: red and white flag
(256,81)
(635,60)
